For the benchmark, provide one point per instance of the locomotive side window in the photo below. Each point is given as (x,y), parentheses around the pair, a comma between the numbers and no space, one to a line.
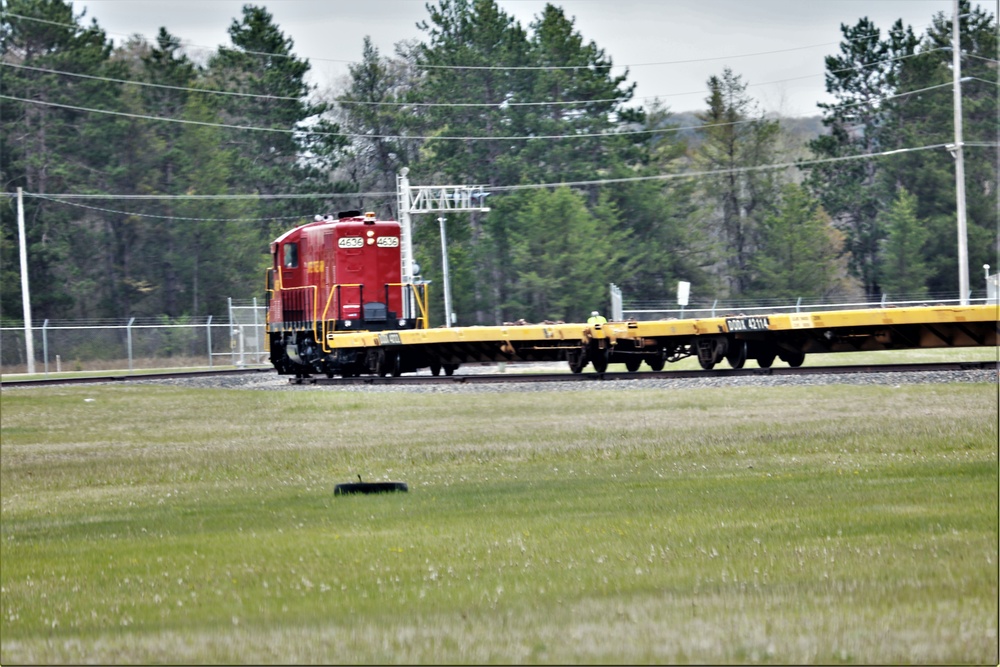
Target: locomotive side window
(291,255)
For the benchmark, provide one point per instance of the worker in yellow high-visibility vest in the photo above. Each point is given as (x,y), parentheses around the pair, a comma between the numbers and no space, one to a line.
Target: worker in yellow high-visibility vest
(596,318)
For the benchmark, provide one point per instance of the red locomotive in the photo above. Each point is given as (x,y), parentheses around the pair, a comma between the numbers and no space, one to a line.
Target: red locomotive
(332,276)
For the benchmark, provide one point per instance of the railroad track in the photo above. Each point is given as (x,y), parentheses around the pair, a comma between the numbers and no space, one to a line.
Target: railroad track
(174,375)
(647,375)
(495,378)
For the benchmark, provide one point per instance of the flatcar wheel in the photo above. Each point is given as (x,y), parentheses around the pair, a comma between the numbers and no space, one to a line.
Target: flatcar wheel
(793,359)
(655,363)
(737,354)
(707,364)
(600,360)
(395,364)
(632,364)
(765,360)
(577,361)
(449,369)
(435,368)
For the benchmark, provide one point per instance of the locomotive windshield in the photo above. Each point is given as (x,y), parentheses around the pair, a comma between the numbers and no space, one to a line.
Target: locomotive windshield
(291,255)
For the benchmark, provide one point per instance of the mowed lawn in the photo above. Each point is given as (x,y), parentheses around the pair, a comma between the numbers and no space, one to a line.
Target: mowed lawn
(837,524)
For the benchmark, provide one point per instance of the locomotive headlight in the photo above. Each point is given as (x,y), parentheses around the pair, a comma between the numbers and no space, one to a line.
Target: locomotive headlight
(369,234)
(371,241)
(347,324)
(402,323)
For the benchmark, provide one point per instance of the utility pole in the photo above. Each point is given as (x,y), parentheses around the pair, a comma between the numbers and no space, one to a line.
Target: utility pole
(29,344)
(405,233)
(444,270)
(963,240)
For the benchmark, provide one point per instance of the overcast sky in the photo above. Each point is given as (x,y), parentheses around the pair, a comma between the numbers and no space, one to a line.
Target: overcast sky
(640,34)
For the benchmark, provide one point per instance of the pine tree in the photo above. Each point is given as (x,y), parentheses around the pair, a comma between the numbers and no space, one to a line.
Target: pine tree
(928,118)
(373,110)
(261,64)
(582,97)
(799,249)
(737,137)
(866,72)
(903,270)
(49,149)
(561,276)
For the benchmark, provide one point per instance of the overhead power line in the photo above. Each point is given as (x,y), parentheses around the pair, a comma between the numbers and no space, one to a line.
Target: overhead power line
(205,91)
(160,217)
(350,135)
(721,172)
(505,103)
(60,198)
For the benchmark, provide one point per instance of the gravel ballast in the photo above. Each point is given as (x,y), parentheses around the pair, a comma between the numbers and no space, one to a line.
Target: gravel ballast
(273,382)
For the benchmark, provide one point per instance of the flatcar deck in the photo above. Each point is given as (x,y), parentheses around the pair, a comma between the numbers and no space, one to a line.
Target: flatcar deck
(839,330)
(788,336)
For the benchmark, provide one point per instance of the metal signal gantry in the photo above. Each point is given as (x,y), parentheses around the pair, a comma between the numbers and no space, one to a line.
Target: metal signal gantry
(413,200)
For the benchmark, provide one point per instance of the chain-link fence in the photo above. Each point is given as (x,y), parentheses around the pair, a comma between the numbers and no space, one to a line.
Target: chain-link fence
(61,346)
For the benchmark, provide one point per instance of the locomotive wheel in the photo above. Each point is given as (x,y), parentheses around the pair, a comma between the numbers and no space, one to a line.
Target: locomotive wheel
(737,354)
(395,364)
(381,364)
(632,364)
(706,364)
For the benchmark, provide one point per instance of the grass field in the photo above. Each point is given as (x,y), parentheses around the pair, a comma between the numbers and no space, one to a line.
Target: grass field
(838,524)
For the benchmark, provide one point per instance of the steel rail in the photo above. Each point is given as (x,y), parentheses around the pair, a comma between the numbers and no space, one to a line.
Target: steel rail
(647,375)
(117,377)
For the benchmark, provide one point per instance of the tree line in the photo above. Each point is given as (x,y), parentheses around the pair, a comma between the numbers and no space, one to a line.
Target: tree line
(180,212)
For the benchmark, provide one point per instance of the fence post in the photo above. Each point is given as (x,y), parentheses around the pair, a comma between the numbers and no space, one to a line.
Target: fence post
(128,331)
(242,339)
(208,332)
(882,304)
(798,305)
(45,345)
(714,304)
(232,335)
(258,334)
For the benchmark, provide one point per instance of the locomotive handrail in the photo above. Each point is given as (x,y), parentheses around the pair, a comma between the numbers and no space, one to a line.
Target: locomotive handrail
(312,302)
(318,335)
(420,296)
(336,290)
